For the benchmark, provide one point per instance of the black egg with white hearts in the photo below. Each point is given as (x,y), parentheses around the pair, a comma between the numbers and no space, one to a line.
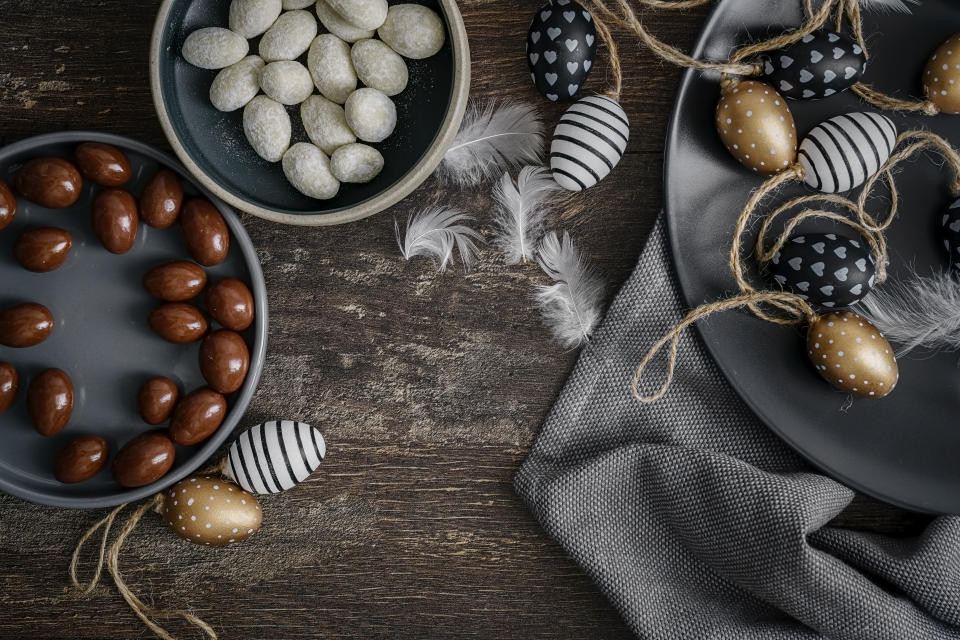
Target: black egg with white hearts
(845,151)
(275,456)
(589,141)
(561,46)
(818,66)
(950,232)
(828,269)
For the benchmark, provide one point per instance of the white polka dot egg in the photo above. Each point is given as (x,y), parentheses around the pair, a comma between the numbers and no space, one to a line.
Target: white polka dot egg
(852,355)
(757,128)
(210,511)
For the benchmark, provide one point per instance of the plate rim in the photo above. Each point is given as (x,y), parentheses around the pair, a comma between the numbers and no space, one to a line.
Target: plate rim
(257,354)
(417,175)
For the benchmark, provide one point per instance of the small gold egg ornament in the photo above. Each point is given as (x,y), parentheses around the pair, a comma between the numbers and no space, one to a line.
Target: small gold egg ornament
(941,78)
(852,355)
(756,127)
(210,511)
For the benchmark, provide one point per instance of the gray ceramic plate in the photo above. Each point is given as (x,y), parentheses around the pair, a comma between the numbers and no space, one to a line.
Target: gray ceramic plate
(904,448)
(101,338)
(212,146)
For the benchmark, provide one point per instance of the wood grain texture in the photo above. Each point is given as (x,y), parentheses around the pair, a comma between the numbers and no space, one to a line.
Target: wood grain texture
(429,388)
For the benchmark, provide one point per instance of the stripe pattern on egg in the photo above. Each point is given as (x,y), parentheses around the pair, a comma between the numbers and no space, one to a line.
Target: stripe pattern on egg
(275,456)
(843,152)
(588,142)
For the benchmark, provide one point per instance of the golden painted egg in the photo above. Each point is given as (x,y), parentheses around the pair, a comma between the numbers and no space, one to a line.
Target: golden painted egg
(757,128)
(210,511)
(941,78)
(852,355)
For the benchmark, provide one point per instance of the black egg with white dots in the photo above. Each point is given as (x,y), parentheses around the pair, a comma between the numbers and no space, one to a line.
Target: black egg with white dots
(827,269)
(561,46)
(820,65)
(950,232)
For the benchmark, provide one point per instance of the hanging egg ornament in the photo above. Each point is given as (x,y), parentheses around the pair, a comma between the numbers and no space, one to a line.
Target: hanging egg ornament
(210,511)
(756,127)
(843,152)
(820,65)
(588,142)
(825,268)
(950,231)
(852,355)
(561,46)
(941,78)
(275,456)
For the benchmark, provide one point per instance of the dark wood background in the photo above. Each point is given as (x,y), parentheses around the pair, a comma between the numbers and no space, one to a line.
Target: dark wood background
(429,388)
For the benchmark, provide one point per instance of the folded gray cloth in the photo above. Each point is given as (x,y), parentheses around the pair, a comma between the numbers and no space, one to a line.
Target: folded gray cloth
(697,522)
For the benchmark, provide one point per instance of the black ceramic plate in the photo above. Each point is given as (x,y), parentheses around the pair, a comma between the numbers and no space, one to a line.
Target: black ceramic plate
(100,337)
(904,448)
(212,144)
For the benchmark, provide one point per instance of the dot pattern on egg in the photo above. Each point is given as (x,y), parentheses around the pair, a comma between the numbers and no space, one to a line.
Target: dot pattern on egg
(852,354)
(210,511)
(941,77)
(757,128)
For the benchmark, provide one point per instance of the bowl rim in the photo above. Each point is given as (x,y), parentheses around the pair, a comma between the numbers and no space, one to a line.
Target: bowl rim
(258,351)
(417,174)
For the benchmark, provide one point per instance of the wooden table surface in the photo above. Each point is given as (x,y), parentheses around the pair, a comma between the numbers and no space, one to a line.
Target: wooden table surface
(429,388)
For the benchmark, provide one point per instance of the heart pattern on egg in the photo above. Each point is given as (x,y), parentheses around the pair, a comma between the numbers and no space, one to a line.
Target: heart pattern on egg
(820,65)
(561,43)
(826,269)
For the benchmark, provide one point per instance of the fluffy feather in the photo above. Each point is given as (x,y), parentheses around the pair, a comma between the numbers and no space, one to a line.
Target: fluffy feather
(434,232)
(887,5)
(518,224)
(571,307)
(917,312)
(493,138)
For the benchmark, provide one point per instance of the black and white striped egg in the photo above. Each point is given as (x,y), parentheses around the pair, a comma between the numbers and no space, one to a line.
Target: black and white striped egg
(820,65)
(843,152)
(950,232)
(588,142)
(561,47)
(827,269)
(275,456)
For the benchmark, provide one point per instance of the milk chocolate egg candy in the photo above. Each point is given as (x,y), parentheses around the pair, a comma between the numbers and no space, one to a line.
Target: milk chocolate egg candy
(941,78)
(561,47)
(224,360)
(25,325)
(210,511)
(50,401)
(42,249)
(8,204)
(230,302)
(843,152)
(588,142)
(156,399)
(820,65)
(144,460)
(852,355)
(950,230)
(197,416)
(275,456)
(115,220)
(50,182)
(205,232)
(81,459)
(176,281)
(826,268)
(161,199)
(178,322)
(103,164)
(756,127)
(9,383)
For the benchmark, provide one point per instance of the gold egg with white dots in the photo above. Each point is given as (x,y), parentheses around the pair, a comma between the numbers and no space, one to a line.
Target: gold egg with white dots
(756,127)
(941,78)
(852,355)
(210,511)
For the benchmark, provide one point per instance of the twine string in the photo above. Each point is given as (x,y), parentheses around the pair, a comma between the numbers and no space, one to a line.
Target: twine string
(613,58)
(106,522)
(890,103)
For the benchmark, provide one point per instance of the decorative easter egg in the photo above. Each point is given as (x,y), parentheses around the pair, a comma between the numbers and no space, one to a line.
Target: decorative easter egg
(820,65)
(588,142)
(941,78)
(843,152)
(210,511)
(950,232)
(852,355)
(825,268)
(561,47)
(275,456)
(756,127)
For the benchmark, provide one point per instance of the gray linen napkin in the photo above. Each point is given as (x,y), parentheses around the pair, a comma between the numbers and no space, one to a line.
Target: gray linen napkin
(697,522)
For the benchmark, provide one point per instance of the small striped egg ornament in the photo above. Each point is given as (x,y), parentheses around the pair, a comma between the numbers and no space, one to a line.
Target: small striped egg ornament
(275,456)
(845,151)
(588,142)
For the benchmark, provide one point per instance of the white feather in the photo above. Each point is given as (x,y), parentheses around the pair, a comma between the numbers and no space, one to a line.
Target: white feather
(571,307)
(434,232)
(518,224)
(917,312)
(492,139)
(887,5)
